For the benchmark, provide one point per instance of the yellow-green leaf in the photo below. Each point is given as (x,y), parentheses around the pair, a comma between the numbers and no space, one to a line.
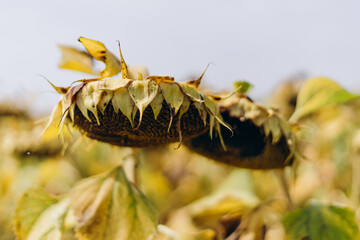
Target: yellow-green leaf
(156,104)
(75,59)
(318,221)
(40,216)
(243,87)
(173,95)
(191,92)
(99,52)
(317,93)
(109,207)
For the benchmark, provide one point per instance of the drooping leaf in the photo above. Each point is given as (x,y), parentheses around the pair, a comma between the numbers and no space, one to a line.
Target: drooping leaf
(142,93)
(90,97)
(156,104)
(99,52)
(123,102)
(191,92)
(108,207)
(243,87)
(317,93)
(52,129)
(321,222)
(40,216)
(173,95)
(75,59)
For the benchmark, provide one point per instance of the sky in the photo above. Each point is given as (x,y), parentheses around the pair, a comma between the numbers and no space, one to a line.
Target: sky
(260,41)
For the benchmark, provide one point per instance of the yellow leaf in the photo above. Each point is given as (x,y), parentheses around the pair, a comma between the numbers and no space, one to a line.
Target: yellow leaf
(75,60)
(99,52)
(109,207)
(40,216)
(235,194)
(52,129)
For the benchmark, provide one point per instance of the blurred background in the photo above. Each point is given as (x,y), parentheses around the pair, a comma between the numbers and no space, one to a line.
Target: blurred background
(260,41)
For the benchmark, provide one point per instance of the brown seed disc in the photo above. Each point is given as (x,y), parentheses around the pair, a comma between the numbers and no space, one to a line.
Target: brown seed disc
(247,147)
(115,128)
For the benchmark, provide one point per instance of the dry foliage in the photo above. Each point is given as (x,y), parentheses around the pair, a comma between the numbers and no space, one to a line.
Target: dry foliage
(63,185)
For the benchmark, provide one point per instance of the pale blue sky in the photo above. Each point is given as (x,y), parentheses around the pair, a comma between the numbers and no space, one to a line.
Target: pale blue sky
(260,41)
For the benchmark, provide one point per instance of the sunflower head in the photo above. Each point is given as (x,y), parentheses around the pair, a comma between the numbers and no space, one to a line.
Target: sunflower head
(261,138)
(135,112)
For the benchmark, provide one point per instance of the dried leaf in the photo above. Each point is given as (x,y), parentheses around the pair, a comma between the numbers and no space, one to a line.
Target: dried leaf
(90,96)
(191,92)
(124,70)
(52,129)
(142,93)
(106,97)
(109,207)
(81,105)
(210,105)
(156,104)
(40,216)
(123,102)
(99,52)
(75,59)
(172,95)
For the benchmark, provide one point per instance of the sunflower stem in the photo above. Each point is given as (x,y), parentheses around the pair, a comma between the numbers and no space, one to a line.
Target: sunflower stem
(130,164)
(285,187)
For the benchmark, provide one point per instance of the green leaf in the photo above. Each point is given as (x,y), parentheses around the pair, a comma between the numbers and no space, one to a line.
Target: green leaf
(243,87)
(108,206)
(40,216)
(317,93)
(318,221)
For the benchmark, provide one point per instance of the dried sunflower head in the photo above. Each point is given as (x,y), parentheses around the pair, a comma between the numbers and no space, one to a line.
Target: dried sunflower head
(140,112)
(261,138)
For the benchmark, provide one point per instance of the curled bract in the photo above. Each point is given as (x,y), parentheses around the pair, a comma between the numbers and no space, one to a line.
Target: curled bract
(262,138)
